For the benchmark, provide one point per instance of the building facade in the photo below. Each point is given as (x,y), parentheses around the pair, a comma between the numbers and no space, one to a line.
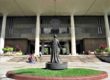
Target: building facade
(31,25)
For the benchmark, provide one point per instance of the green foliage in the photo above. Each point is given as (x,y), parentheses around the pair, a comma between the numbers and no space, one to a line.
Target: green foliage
(8,49)
(98,50)
(107,50)
(46,50)
(58,73)
(103,50)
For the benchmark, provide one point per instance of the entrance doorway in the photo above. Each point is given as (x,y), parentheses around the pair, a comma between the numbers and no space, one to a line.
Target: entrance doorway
(79,46)
(45,47)
(31,46)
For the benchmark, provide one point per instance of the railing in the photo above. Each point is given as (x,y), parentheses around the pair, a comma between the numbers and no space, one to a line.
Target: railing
(50,36)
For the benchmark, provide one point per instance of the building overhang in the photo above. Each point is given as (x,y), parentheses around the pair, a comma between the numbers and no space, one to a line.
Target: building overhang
(54,7)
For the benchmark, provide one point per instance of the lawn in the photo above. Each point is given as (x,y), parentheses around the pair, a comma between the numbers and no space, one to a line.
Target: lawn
(58,73)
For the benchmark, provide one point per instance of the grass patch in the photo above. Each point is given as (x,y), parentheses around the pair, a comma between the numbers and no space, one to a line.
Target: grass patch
(58,73)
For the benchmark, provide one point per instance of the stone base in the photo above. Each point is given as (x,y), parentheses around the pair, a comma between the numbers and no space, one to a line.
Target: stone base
(56,66)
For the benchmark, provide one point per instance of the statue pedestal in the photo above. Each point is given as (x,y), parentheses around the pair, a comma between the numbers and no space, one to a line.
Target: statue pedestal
(56,66)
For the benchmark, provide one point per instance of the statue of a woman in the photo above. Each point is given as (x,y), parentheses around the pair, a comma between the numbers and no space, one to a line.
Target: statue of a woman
(55,50)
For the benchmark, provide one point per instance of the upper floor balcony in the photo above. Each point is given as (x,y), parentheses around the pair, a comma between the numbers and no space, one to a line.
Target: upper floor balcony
(49,29)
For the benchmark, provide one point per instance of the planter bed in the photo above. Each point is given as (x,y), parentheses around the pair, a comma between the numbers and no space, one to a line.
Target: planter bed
(99,76)
(104,58)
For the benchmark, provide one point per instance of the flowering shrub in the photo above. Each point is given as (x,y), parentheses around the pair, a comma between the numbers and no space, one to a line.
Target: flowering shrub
(103,48)
(17,48)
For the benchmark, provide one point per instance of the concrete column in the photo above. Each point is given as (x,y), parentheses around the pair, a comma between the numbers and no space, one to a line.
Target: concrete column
(67,47)
(37,35)
(73,40)
(42,50)
(2,37)
(107,28)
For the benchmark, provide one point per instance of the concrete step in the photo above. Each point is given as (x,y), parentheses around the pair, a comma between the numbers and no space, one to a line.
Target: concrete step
(70,58)
(64,58)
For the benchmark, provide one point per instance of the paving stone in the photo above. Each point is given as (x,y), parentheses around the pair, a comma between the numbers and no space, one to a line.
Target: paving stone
(82,63)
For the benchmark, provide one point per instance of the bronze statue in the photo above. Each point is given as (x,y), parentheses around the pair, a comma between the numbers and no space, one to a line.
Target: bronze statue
(55,50)
(55,63)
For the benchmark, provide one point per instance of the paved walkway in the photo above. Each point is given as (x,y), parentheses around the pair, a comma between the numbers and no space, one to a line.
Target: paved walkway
(6,66)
